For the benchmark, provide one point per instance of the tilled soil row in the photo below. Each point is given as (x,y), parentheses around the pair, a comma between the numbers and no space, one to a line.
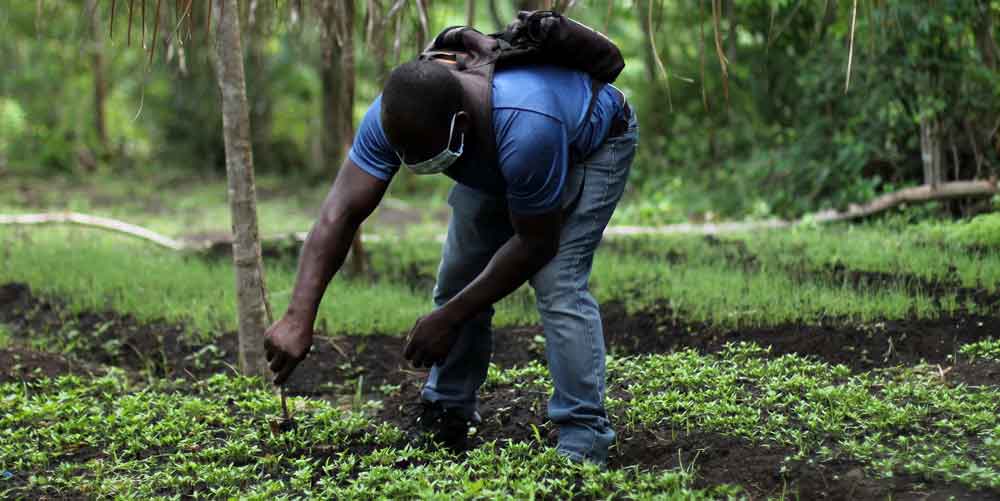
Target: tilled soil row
(519,413)
(163,349)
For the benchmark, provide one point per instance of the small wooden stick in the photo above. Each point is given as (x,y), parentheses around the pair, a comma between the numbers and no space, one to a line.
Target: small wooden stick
(284,403)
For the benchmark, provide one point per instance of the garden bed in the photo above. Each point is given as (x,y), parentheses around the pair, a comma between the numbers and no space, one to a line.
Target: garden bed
(49,341)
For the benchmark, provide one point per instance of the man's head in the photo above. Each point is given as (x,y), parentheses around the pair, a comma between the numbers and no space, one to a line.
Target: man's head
(420,102)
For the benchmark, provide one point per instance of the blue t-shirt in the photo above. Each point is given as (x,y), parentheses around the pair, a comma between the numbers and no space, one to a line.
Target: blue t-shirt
(538,118)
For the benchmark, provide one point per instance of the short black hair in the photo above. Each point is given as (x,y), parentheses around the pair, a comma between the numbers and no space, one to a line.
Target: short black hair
(419,93)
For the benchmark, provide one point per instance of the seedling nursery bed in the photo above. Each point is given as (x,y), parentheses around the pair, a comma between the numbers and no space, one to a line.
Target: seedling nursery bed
(47,341)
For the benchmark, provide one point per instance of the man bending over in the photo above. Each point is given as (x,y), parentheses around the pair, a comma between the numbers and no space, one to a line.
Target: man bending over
(535,213)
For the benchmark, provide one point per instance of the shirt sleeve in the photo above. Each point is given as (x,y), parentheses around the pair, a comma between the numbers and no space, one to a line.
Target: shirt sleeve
(371,150)
(533,159)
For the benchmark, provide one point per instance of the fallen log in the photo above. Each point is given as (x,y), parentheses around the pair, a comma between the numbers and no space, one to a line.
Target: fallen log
(103,223)
(219,245)
(917,194)
(923,193)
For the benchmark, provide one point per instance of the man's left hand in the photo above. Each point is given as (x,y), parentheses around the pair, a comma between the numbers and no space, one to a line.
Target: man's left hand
(431,338)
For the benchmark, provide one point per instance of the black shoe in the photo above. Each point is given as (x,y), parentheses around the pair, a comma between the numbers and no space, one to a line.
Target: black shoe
(437,426)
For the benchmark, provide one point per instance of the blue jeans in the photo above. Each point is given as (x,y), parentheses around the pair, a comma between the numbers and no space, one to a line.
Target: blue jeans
(574,340)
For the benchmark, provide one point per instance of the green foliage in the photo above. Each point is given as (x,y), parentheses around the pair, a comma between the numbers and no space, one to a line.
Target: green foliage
(982,231)
(5,336)
(98,271)
(787,140)
(107,438)
(986,348)
(790,139)
(884,248)
(907,421)
(895,420)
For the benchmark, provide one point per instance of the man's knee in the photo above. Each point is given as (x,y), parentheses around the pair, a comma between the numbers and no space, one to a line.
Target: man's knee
(454,273)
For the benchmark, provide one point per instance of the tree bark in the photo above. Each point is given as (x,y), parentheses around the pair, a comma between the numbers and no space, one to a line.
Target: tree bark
(424,33)
(337,69)
(495,15)
(985,42)
(253,310)
(930,151)
(97,66)
(470,12)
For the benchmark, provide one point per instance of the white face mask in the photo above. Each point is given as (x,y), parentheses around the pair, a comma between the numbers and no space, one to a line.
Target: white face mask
(438,163)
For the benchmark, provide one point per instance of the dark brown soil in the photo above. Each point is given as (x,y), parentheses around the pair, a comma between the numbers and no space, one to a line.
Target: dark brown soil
(860,347)
(977,373)
(164,349)
(336,363)
(763,471)
(21,364)
(518,414)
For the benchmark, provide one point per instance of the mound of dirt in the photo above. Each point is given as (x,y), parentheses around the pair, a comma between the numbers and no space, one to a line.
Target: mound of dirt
(336,362)
(166,350)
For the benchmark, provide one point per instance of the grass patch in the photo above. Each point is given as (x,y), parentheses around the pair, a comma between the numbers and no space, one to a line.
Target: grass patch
(187,205)
(725,295)
(982,231)
(881,248)
(96,271)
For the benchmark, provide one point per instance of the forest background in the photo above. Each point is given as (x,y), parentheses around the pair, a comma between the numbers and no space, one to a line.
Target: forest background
(748,108)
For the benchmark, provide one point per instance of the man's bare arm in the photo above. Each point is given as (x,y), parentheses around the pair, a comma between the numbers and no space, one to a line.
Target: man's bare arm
(534,244)
(353,197)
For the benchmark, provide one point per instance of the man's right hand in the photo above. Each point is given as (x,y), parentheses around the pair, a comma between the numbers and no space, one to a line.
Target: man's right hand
(287,342)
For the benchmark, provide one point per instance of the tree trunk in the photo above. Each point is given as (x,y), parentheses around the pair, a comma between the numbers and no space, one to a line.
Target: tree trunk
(470,12)
(495,15)
(985,42)
(659,91)
(251,301)
(829,16)
(423,34)
(338,72)
(930,151)
(647,37)
(729,14)
(97,65)
(520,5)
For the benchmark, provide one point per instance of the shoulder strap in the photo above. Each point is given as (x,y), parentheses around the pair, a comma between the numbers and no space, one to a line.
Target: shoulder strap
(473,57)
